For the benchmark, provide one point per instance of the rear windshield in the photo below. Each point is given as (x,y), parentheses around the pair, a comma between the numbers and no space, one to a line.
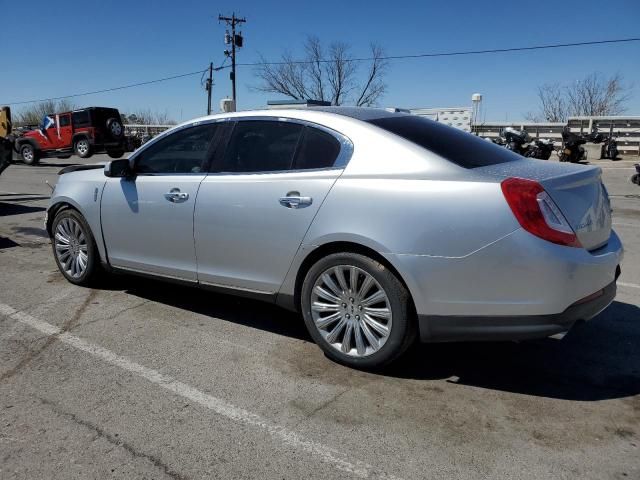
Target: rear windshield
(457,146)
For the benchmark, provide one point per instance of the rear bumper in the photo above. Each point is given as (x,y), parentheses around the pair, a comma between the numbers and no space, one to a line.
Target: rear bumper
(449,329)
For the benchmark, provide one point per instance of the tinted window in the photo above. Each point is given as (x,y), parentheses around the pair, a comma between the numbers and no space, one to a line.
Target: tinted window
(318,149)
(81,119)
(184,151)
(64,120)
(457,146)
(261,146)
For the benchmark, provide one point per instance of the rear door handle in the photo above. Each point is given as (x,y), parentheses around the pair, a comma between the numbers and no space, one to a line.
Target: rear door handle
(294,200)
(176,196)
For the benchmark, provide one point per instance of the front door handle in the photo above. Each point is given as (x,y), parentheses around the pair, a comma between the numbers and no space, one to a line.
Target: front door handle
(176,196)
(294,200)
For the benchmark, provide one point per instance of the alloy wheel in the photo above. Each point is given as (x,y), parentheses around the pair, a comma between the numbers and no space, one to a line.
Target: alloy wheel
(83,147)
(351,310)
(27,154)
(70,244)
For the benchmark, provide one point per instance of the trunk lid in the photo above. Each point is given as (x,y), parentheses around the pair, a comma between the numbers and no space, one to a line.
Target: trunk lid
(576,189)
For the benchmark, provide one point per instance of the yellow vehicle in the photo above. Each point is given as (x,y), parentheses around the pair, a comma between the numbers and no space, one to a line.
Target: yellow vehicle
(6,141)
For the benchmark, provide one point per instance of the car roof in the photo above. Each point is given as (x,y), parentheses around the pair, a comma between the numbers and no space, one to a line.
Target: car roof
(359,113)
(355,113)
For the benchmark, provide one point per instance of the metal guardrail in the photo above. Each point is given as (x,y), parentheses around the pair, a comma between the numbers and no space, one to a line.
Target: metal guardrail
(132,129)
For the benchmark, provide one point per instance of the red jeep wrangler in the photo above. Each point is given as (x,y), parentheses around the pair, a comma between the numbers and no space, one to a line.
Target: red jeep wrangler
(83,132)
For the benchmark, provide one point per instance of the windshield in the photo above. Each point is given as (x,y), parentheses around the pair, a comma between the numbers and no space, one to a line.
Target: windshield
(457,146)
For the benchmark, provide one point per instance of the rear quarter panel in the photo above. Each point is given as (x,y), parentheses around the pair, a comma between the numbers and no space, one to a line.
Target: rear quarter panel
(439,218)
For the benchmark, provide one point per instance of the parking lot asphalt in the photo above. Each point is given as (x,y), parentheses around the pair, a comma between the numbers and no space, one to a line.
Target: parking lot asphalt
(140,379)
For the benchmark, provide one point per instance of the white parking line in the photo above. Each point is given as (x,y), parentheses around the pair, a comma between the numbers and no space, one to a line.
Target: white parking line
(219,406)
(632,285)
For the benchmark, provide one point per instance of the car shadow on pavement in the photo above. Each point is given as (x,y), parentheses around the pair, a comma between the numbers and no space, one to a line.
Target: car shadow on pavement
(17,209)
(243,311)
(597,360)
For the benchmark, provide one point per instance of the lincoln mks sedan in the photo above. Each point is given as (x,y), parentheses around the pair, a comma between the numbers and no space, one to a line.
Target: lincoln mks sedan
(380,228)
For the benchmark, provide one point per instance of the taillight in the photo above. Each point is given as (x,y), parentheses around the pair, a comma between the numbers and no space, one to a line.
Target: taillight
(537,213)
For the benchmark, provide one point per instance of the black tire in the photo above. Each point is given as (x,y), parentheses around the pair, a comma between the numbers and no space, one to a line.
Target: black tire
(82,147)
(115,153)
(404,326)
(29,154)
(115,128)
(93,270)
(635,178)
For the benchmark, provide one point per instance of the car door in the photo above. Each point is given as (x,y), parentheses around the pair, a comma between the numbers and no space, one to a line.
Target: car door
(255,207)
(65,132)
(47,137)
(147,220)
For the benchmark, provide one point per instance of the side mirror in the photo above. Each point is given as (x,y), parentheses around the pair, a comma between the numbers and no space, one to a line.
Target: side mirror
(117,168)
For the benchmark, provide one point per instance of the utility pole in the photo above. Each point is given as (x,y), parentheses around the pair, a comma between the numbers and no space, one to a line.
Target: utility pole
(235,40)
(209,88)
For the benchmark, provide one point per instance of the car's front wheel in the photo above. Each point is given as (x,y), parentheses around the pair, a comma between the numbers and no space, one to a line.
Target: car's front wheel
(357,310)
(82,148)
(74,248)
(29,154)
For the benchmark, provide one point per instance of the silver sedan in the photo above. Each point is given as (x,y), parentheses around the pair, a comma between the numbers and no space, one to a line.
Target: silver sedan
(379,227)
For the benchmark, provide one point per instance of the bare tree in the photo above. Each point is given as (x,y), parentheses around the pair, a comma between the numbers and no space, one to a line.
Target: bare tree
(330,74)
(594,95)
(34,113)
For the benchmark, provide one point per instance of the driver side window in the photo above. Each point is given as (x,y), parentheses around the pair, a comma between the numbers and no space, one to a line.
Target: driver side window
(182,152)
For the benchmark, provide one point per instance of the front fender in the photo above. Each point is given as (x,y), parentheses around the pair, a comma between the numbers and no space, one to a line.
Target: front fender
(85,197)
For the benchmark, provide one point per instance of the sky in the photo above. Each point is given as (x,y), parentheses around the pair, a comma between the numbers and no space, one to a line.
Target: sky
(69,47)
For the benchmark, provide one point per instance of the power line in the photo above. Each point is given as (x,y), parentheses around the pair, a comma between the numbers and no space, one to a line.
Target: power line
(448,54)
(360,59)
(109,89)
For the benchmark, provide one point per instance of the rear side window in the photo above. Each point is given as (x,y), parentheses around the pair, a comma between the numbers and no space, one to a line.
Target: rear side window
(182,152)
(261,146)
(318,149)
(81,119)
(457,146)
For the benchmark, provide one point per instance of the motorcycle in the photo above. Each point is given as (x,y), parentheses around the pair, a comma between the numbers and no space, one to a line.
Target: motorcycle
(540,148)
(516,139)
(609,148)
(572,149)
(635,178)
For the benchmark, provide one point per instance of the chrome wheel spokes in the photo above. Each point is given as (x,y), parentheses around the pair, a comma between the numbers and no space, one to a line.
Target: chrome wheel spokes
(351,310)
(70,244)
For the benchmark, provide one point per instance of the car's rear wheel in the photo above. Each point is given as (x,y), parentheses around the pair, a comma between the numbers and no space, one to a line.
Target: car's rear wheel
(74,248)
(29,154)
(357,310)
(82,147)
